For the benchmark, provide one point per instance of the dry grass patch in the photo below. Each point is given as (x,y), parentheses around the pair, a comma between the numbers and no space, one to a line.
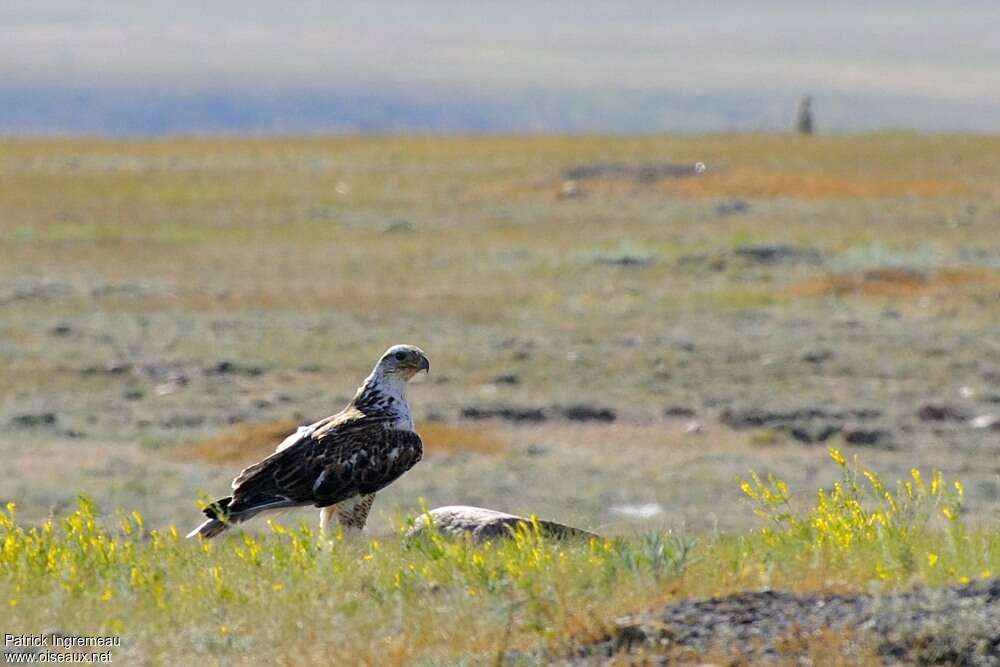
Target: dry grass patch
(247,443)
(442,438)
(896,282)
(755,182)
(827,647)
(241,444)
(764,183)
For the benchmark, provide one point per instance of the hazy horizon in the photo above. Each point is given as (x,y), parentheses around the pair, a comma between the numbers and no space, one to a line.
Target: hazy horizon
(255,67)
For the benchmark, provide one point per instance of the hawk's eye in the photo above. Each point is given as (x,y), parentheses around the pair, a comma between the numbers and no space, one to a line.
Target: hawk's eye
(400,356)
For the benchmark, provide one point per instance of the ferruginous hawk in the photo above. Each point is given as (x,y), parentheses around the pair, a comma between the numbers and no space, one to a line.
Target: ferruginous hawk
(339,463)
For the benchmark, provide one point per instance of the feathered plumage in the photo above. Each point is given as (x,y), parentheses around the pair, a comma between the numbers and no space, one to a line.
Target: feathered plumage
(338,463)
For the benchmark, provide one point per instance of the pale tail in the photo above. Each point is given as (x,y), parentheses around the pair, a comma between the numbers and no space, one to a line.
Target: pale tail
(209,529)
(220,518)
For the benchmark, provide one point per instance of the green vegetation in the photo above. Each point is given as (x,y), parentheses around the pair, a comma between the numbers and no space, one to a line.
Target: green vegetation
(296,597)
(172,308)
(865,531)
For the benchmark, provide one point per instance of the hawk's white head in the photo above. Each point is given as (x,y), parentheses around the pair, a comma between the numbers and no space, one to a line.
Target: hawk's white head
(385,389)
(402,362)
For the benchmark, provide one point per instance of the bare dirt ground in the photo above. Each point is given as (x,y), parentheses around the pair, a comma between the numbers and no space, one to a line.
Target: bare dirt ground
(610,350)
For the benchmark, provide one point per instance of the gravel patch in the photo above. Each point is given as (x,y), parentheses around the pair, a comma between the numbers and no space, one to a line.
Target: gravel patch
(958,625)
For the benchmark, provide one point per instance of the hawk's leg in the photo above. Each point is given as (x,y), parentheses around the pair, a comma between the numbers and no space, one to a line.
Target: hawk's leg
(325,517)
(351,514)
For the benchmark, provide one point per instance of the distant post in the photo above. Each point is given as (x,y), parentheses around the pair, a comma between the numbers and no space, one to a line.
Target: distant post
(804,117)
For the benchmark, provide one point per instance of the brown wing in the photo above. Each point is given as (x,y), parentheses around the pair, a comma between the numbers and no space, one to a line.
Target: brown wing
(334,461)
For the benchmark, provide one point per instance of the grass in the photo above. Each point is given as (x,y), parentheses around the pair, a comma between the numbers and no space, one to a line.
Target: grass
(305,258)
(760,183)
(293,597)
(232,215)
(895,282)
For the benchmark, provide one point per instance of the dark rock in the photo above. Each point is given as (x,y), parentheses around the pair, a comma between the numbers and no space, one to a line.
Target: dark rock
(681,411)
(687,260)
(107,369)
(855,435)
(34,420)
(818,433)
(124,290)
(180,421)
(38,292)
(535,451)
(61,330)
(506,343)
(509,413)
(732,207)
(758,417)
(807,424)
(817,356)
(863,414)
(663,375)
(624,259)
(644,172)
(896,275)
(507,379)
(775,254)
(395,226)
(761,417)
(939,412)
(169,378)
(234,368)
(165,372)
(582,413)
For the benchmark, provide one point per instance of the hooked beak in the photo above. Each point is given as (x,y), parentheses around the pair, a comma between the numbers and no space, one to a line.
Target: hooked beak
(425,365)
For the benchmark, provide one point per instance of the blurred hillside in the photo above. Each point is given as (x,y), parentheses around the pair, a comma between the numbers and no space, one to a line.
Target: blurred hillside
(637,66)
